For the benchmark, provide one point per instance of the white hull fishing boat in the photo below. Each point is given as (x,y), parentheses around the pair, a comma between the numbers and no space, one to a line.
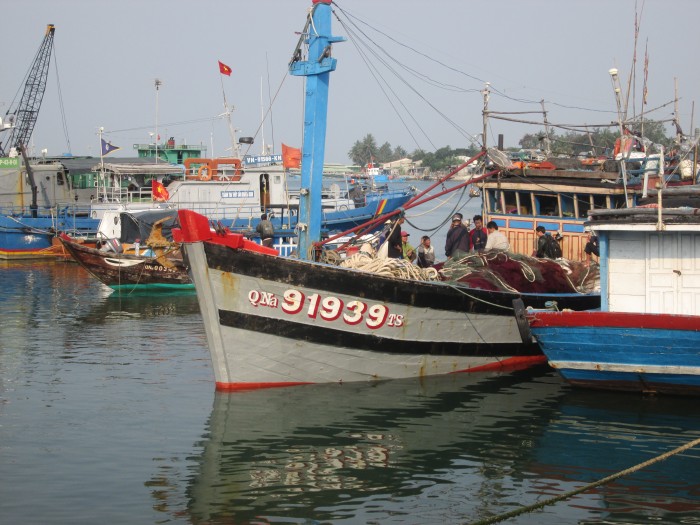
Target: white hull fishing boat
(274,321)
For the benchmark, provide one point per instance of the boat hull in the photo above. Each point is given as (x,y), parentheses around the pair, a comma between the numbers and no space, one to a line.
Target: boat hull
(656,353)
(274,321)
(122,271)
(26,237)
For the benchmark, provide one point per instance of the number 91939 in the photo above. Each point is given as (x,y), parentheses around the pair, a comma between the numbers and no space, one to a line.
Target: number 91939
(331,308)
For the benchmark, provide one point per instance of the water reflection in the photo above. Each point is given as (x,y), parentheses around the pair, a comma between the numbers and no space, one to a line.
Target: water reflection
(55,316)
(447,450)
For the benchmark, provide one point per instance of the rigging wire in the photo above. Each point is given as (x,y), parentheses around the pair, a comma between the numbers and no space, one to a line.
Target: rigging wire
(385,62)
(64,120)
(374,72)
(495,90)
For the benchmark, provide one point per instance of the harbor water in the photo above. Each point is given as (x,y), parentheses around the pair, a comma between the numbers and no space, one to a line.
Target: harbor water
(108,414)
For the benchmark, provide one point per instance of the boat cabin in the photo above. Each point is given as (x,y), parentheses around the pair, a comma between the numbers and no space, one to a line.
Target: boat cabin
(519,206)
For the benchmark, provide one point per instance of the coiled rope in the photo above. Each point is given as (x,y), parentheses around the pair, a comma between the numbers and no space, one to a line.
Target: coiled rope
(389,267)
(566,495)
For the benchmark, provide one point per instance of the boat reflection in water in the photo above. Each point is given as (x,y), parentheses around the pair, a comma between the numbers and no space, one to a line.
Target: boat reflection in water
(445,450)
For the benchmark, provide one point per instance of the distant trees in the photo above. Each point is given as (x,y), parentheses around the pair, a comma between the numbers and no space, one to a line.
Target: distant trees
(365,150)
(443,158)
(570,143)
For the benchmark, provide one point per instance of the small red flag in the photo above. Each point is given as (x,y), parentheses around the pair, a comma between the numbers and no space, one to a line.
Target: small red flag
(160,194)
(291,157)
(224,69)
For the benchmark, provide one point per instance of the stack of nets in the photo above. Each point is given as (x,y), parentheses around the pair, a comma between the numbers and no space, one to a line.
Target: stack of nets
(505,271)
(494,270)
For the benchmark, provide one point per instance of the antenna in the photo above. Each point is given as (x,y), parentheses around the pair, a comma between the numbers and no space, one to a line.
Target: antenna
(158,83)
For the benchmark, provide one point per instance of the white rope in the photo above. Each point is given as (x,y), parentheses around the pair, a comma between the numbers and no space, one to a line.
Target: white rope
(399,268)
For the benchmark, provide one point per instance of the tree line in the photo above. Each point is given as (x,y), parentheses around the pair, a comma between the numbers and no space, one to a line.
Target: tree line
(597,142)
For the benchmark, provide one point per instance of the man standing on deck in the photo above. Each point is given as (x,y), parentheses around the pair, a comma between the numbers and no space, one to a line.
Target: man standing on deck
(457,237)
(395,248)
(478,236)
(265,230)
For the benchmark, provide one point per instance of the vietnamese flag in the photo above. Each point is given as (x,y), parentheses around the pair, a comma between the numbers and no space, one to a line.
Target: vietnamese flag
(160,194)
(291,157)
(224,69)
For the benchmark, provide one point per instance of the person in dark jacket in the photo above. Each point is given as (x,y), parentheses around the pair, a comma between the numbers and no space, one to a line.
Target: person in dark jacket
(266,231)
(478,236)
(592,247)
(457,237)
(395,242)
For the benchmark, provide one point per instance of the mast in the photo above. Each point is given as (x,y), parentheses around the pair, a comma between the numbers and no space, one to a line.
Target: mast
(485,117)
(262,119)
(547,148)
(316,69)
(158,83)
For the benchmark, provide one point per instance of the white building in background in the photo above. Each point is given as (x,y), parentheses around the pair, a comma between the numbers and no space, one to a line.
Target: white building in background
(404,168)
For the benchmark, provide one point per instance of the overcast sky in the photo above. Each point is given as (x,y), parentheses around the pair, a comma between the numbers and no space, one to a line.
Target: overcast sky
(428,60)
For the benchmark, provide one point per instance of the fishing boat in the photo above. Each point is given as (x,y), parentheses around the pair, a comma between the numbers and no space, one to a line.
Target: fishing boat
(237,191)
(537,189)
(306,321)
(646,336)
(142,254)
(560,198)
(36,204)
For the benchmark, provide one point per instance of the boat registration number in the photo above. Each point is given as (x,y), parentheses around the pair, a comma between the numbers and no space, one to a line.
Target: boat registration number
(329,308)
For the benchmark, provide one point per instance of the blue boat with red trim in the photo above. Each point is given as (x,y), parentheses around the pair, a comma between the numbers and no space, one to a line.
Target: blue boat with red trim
(646,337)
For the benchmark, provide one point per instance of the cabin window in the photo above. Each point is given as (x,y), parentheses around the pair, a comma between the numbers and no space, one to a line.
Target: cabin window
(510,201)
(618,201)
(568,205)
(583,205)
(600,202)
(524,201)
(546,205)
(493,203)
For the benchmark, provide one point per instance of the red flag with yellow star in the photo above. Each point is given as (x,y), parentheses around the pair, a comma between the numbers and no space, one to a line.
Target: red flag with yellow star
(224,69)
(160,194)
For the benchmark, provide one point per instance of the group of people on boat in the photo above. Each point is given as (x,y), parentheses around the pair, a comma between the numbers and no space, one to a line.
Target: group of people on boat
(461,239)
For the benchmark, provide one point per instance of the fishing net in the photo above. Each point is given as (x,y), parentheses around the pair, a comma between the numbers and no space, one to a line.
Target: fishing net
(505,271)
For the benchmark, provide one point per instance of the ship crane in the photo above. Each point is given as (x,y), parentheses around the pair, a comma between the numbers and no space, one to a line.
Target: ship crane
(17,126)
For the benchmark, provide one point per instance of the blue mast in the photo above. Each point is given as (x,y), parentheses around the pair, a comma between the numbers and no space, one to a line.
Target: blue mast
(316,68)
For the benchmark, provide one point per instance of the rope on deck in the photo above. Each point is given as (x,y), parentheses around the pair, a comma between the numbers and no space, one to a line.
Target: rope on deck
(566,495)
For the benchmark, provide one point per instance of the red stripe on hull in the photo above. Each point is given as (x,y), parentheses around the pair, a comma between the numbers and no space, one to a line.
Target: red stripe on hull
(512,363)
(615,320)
(238,387)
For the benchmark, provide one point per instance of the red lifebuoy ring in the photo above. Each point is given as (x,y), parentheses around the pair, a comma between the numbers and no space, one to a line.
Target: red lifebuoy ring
(204,173)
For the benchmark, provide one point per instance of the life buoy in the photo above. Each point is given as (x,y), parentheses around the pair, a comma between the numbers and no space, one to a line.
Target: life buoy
(204,173)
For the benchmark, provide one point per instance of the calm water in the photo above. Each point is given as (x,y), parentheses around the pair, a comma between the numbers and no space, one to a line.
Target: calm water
(108,414)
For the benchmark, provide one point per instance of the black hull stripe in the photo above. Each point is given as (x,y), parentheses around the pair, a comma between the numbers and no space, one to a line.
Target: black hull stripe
(341,339)
(373,287)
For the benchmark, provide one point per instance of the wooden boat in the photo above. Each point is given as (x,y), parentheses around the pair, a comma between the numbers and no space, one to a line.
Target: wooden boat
(560,193)
(646,337)
(125,263)
(311,322)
